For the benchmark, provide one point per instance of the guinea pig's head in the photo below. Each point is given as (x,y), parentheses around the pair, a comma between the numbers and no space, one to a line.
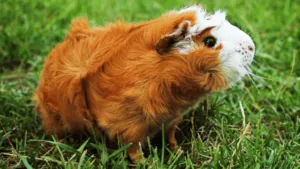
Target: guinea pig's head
(213,32)
(236,47)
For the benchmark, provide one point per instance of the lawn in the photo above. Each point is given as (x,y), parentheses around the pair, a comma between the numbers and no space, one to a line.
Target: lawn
(256,124)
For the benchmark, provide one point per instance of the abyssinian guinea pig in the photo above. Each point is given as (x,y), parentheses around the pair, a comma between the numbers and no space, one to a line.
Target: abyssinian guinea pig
(127,79)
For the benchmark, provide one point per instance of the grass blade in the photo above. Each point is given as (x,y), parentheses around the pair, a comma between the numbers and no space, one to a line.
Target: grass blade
(61,145)
(25,162)
(81,148)
(81,160)
(125,147)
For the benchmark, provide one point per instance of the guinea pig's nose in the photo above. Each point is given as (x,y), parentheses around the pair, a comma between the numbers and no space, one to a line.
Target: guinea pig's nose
(251,48)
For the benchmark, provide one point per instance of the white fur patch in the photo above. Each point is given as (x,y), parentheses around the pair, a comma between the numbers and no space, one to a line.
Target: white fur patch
(203,22)
(237,52)
(237,47)
(185,46)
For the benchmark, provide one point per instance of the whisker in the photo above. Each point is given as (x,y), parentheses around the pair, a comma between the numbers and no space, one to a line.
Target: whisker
(249,73)
(260,77)
(255,63)
(252,81)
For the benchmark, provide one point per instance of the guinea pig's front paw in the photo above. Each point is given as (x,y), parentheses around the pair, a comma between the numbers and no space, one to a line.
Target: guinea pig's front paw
(137,157)
(135,154)
(179,151)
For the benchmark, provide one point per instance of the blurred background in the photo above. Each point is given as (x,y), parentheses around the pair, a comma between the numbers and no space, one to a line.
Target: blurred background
(253,125)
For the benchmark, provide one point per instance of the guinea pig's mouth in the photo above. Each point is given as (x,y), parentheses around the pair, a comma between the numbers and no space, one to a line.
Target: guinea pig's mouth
(235,67)
(236,59)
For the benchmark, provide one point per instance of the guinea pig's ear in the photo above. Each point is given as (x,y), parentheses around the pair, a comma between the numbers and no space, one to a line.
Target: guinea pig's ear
(76,97)
(167,42)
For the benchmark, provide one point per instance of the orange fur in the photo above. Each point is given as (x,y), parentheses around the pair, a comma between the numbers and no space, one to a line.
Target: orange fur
(114,80)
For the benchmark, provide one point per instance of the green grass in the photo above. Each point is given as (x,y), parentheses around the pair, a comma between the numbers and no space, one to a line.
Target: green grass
(249,126)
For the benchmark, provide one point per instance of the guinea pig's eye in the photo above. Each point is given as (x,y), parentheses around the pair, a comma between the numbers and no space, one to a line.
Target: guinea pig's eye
(210,41)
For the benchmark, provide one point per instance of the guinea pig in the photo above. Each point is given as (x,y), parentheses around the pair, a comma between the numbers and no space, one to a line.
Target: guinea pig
(126,80)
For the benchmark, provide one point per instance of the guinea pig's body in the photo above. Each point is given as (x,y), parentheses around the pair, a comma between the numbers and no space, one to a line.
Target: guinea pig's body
(128,79)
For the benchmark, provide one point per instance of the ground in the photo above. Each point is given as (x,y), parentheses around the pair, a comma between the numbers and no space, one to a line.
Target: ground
(253,125)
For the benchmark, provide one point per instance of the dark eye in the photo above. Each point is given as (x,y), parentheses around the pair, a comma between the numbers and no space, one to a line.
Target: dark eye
(210,41)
